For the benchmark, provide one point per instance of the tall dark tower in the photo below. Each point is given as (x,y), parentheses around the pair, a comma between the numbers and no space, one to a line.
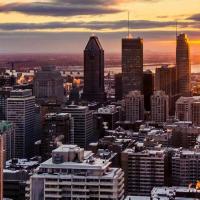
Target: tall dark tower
(132,64)
(94,71)
(183,65)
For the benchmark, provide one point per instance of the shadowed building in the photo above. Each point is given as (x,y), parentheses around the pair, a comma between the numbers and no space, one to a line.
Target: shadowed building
(148,88)
(165,80)
(132,64)
(94,71)
(183,65)
(48,85)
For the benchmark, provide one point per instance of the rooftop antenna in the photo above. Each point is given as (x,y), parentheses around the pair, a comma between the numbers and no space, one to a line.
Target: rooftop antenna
(176,28)
(128,24)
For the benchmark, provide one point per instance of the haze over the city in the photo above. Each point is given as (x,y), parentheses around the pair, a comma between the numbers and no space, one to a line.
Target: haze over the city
(63,26)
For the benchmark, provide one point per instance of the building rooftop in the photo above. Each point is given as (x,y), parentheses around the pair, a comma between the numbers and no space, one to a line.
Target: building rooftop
(72,156)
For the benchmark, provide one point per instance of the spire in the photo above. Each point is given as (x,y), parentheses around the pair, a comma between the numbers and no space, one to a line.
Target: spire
(129,35)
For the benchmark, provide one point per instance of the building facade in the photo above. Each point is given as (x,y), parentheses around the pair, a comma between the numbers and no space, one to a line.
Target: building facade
(83,124)
(58,129)
(132,64)
(185,106)
(144,170)
(183,65)
(159,106)
(134,106)
(148,88)
(94,71)
(21,112)
(165,80)
(48,85)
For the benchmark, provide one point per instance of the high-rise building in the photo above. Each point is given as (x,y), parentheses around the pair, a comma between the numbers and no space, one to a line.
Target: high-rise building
(159,106)
(21,112)
(7,131)
(183,65)
(58,129)
(48,85)
(4,94)
(134,106)
(165,80)
(73,173)
(118,87)
(148,88)
(94,71)
(184,108)
(144,170)
(132,64)
(83,124)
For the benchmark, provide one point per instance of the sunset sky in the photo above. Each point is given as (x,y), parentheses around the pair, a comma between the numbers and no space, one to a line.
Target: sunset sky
(63,26)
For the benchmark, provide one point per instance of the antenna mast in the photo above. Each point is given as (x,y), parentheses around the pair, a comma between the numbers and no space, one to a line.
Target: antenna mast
(128,24)
(176,28)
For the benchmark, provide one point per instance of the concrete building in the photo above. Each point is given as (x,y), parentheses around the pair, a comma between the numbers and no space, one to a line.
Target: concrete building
(183,65)
(94,71)
(48,85)
(134,106)
(184,108)
(159,106)
(132,64)
(144,169)
(58,129)
(185,167)
(7,131)
(21,112)
(73,173)
(83,124)
(4,94)
(165,80)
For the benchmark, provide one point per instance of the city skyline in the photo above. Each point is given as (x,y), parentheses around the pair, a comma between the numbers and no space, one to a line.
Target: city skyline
(55,26)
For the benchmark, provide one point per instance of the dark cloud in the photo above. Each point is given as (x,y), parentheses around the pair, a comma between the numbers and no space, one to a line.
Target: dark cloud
(195,17)
(57,9)
(94,25)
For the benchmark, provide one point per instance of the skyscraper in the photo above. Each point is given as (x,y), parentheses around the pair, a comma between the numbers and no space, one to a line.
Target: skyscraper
(183,65)
(48,85)
(94,71)
(83,124)
(134,106)
(132,64)
(165,80)
(21,112)
(148,88)
(159,106)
